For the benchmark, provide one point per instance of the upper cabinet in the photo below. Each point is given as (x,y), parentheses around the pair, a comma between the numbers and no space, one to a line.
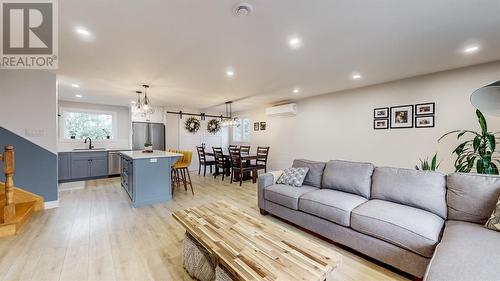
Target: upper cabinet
(157,117)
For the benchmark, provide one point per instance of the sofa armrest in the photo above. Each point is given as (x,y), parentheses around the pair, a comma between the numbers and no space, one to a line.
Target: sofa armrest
(266,180)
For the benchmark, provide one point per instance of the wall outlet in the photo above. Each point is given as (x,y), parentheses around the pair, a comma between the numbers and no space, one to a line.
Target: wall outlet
(34,133)
(153,160)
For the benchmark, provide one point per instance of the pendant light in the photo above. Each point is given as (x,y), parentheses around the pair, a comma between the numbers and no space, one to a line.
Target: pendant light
(146,104)
(230,122)
(138,104)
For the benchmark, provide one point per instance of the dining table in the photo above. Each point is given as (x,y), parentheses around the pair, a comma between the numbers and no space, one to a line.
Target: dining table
(244,157)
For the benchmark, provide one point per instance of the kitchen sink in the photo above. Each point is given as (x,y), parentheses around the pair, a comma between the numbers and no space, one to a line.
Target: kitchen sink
(86,149)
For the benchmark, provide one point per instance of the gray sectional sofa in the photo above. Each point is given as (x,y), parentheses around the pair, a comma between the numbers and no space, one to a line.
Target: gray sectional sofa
(421,222)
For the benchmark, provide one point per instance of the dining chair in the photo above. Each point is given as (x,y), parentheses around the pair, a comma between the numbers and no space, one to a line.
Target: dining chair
(245,149)
(262,155)
(232,146)
(238,166)
(202,157)
(220,161)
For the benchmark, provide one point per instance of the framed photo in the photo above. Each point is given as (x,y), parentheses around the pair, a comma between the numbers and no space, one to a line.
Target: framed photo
(379,124)
(256,126)
(425,108)
(424,121)
(402,117)
(262,126)
(382,112)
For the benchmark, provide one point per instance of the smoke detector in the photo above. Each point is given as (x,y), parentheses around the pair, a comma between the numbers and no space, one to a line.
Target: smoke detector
(242,9)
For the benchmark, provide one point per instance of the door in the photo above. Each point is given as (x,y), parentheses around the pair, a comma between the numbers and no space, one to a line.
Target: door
(80,168)
(158,136)
(139,135)
(98,167)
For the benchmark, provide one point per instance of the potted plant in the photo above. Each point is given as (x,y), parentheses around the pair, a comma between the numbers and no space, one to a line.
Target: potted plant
(148,147)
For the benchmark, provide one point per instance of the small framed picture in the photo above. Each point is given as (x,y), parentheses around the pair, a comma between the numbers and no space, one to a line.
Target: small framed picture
(402,117)
(382,112)
(424,121)
(256,126)
(379,124)
(262,126)
(425,108)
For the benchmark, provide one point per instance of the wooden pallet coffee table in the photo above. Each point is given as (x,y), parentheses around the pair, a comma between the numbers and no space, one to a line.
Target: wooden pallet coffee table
(249,248)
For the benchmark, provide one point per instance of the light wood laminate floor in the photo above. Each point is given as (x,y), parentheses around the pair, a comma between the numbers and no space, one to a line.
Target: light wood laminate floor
(95,234)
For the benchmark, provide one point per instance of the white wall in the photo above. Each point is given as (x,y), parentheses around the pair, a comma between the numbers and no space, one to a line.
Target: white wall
(28,105)
(123,137)
(340,125)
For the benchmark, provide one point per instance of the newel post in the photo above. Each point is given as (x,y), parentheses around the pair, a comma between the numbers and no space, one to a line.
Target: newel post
(10,209)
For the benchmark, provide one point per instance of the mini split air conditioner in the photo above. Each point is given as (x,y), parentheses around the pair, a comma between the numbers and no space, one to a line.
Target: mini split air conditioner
(289,109)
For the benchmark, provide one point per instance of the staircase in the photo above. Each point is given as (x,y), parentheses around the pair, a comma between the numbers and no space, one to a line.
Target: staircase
(16,205)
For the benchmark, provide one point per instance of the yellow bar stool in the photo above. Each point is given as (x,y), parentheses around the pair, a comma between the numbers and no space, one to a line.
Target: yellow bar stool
(175,178)
(181,169)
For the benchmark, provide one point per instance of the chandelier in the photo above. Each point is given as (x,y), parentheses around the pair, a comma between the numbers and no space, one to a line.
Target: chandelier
(144,105)
(230,121)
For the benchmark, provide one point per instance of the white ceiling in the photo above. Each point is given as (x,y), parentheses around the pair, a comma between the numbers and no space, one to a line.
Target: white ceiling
(183,47)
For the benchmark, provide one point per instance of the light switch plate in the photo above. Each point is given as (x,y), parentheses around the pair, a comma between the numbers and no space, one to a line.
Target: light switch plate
(34,133)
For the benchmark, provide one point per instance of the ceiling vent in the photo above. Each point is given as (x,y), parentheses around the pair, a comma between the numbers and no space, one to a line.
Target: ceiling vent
(289,109)
(242,9)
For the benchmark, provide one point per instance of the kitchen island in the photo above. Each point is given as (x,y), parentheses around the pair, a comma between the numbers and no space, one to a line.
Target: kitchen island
(146,176)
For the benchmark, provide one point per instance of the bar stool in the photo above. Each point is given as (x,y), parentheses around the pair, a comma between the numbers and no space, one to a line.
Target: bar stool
(180,172)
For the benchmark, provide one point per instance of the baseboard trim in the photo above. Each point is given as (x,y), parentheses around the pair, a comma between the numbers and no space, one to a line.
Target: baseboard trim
(51,204)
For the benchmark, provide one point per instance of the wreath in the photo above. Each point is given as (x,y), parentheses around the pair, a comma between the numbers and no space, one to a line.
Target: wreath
(192,125)
(213,126)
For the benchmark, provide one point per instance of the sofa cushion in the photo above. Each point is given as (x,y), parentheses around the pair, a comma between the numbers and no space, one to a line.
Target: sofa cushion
(472,197)
(332,205)
(286,195)
(425,190)
(352,177)
(410,228)
(293,176)
(467,251)
(313,177)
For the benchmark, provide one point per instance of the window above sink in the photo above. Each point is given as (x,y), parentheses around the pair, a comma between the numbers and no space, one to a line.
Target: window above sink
(78,124)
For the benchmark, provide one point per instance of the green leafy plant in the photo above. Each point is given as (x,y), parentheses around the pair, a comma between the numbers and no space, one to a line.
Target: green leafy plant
(148,144)
(479,152)
(426,166)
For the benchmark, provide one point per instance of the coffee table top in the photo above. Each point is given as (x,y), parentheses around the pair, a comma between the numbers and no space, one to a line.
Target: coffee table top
(251,249)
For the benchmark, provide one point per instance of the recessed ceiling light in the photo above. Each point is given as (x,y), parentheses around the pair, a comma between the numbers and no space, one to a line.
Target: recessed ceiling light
(75,85)
(471,49)
(79,96)
(230,73)
(356,76)
(296,90)
(82,31)
(295,42)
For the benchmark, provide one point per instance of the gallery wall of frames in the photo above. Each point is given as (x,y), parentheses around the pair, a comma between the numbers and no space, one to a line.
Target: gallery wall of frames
(420,115)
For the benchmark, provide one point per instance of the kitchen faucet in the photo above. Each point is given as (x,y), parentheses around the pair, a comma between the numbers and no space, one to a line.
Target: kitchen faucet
(90,144)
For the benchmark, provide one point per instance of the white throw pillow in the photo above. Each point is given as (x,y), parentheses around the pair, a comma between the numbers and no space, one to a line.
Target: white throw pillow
(293,176)
(494,222)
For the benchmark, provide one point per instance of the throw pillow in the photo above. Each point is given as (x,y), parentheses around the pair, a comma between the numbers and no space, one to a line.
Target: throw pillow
(293,176)
(494,221)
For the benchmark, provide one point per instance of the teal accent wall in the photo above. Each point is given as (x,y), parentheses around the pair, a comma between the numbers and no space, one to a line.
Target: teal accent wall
(36,167)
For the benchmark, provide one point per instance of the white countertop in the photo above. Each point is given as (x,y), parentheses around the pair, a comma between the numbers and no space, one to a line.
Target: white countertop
(93,150)
(138,154)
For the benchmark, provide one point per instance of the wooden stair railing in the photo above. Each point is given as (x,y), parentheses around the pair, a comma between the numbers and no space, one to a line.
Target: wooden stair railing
(16,205)
(8,208)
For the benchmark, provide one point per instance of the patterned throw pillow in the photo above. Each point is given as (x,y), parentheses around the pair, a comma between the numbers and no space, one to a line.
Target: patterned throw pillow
(494,221)
(293,176)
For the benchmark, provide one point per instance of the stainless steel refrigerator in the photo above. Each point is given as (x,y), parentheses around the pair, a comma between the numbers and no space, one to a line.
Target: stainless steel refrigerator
(143,132)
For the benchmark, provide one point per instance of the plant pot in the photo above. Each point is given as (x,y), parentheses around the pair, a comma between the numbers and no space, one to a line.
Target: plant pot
(148,148)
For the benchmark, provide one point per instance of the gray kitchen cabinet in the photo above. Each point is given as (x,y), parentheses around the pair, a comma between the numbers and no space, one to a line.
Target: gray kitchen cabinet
(98,167)
(64,167)
(89,165)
